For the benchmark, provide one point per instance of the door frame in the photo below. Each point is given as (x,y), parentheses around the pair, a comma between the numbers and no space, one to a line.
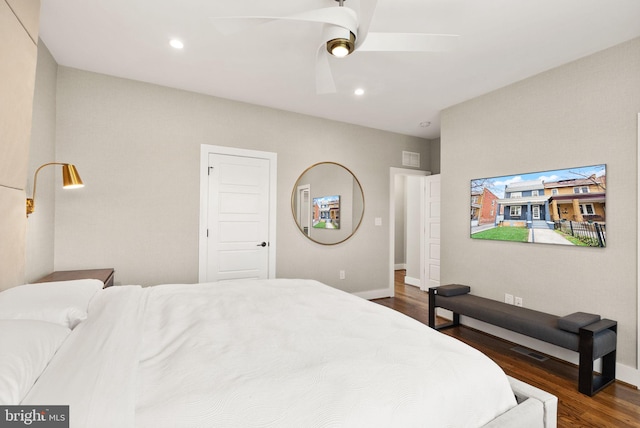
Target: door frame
(303,188)
(205,151)
(638,265)
(393,173)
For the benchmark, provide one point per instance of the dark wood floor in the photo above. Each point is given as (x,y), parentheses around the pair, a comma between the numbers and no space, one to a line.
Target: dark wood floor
(618,405)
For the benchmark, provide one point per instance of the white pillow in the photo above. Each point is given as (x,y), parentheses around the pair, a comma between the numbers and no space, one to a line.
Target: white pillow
(27,347)
(63,302)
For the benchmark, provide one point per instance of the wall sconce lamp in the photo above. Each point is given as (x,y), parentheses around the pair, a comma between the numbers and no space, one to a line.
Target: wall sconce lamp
(70,180)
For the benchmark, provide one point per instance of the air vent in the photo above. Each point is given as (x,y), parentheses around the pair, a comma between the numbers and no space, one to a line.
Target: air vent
(411,159)
(530,353)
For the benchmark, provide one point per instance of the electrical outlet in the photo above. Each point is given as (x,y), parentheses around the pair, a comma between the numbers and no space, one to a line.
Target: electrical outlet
(342,274)
(518,301)
(508,298)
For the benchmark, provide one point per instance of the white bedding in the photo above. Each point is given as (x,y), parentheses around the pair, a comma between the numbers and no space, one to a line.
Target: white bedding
(277,353)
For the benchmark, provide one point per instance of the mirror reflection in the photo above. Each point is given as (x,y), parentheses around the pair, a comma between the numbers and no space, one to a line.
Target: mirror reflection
(327,203)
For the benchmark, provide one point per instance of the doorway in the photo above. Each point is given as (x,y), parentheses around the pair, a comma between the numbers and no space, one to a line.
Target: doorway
(237,214)
(303,208)
(536,212)
(397,208)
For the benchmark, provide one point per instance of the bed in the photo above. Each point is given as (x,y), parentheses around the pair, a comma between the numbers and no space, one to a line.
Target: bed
(247,353)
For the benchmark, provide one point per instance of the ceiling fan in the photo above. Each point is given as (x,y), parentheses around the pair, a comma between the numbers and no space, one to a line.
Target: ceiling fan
(345,31)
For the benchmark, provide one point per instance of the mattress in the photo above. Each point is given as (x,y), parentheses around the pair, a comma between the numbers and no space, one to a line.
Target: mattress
(264,353)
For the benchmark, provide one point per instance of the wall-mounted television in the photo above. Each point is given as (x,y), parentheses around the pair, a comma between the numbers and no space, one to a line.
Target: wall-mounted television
(326,212)
(564,207)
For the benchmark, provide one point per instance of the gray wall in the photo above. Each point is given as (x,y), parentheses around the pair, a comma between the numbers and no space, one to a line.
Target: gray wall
(582,113)
(137,148)
(435,156)
(41,224)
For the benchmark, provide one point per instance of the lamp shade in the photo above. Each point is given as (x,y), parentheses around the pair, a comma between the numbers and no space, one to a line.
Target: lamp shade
(70,177)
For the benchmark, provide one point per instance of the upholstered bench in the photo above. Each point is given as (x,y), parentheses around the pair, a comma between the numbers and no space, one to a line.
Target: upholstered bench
(587,334)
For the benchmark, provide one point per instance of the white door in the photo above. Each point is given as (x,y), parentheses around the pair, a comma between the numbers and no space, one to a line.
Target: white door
(536,212)
(431,244)
(236,213)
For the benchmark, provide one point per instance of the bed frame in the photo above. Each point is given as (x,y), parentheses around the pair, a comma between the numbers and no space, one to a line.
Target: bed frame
(536,408)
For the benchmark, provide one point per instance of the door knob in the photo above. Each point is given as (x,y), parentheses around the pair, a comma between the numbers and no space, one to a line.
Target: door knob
(264,244)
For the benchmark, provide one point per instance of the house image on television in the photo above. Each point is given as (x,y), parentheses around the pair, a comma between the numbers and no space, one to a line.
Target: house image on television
(484,207)
(579,200)
(539,204)
(525,204)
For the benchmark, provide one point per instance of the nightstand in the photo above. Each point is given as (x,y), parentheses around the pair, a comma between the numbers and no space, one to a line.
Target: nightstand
(104,275)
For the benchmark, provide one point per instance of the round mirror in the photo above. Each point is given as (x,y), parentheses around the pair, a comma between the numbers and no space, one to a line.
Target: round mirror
(327,203)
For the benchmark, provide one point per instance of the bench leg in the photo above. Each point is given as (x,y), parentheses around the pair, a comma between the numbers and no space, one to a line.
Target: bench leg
(432,307)
(588,382)
(432,313)
(454,323)
(456,320)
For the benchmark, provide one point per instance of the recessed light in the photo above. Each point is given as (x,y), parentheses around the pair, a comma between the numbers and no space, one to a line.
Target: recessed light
(176,44)
(359,91)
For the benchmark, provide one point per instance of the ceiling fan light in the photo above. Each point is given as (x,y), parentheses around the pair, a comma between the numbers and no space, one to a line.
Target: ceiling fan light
(341,47)
(340,50)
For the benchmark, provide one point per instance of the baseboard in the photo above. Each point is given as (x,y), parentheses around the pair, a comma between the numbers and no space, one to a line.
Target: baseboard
(624,373)
(412,281)
(628,375)
(373,294)
(400,266)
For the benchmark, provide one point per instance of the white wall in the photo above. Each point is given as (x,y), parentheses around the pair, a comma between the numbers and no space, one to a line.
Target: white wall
(582,113)
(400,234)
(137,148)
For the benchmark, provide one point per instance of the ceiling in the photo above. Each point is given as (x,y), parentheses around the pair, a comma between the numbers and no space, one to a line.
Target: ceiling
(500,42)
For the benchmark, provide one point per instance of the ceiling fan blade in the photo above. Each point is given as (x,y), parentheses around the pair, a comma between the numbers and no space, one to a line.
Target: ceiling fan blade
(324,77)
(365,15)
(409,42)
(340,16)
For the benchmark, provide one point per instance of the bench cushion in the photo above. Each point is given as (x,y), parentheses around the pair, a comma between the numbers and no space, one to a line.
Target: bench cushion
(576,321)
(453,290)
